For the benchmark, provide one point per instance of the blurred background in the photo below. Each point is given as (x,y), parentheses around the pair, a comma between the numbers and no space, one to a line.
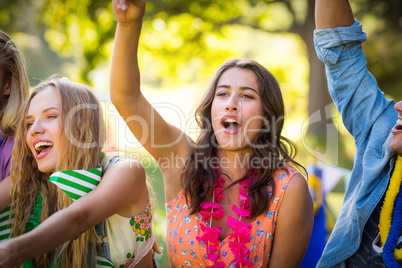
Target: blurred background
(183,42)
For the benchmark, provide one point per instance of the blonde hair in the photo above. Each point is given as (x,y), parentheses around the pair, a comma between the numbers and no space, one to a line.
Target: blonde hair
(83,125)
(12,69)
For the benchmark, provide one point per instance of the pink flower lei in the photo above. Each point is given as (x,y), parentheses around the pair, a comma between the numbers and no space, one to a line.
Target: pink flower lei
(241,230)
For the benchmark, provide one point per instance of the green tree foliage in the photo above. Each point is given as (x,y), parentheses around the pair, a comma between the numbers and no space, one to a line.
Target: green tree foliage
(181,35)
(382,20)
(185,41)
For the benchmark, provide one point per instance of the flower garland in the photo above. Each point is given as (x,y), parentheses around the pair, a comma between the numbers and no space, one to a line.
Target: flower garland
(241,230)
(390,223)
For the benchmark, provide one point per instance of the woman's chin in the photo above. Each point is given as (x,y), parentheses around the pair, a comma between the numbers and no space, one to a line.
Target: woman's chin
(46,169)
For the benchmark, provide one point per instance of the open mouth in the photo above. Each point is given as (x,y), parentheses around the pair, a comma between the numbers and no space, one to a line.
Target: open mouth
(231,125)
(399,124)
(43,147)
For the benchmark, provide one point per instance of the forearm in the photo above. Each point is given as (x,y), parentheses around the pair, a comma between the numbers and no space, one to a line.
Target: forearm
(125,74)
(352,87)
(333,13)
(61,227)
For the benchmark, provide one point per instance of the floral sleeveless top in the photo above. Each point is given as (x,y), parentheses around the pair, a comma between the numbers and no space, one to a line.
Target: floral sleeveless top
(182,229)
(129,239)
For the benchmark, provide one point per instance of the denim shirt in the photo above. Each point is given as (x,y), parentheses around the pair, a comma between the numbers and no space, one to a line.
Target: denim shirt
(369,117)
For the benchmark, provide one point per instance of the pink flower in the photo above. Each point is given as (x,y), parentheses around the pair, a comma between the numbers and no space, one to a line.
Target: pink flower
(244,183)
(218,194)
(218,214)
(241,212)
(129,261)
(243,199)
(217,265)
(209,205)
(233,223)
(241,230)
(211,249)
(243,194)
(240,251)
(241,237)
(217,211)
(210,234)
(220,182)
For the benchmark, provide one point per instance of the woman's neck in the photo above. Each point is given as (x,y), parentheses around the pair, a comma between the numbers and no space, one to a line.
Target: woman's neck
(233,163)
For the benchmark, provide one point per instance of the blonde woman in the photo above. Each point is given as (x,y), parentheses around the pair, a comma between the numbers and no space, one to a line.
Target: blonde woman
(56,160)
(14,87)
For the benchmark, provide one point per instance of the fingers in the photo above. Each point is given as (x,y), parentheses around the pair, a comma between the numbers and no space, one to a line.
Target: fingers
(121,4)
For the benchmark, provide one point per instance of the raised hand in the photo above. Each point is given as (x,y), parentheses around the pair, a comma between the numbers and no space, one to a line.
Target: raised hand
(129,11)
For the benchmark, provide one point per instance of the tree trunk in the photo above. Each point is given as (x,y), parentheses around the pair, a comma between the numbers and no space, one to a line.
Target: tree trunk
(320,128)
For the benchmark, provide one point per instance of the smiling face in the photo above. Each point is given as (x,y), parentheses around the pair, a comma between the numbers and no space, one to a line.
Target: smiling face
(395,143)
(43,129)
(237,112)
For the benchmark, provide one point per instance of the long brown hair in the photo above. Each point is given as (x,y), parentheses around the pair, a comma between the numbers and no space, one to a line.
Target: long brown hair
(83,125)
(270,147)
(12,70)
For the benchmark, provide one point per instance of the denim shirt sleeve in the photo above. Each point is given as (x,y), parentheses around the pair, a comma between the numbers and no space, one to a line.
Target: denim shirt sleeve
(352,87)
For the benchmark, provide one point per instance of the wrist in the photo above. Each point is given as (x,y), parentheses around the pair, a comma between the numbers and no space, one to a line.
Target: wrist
(16,252)
(133,25)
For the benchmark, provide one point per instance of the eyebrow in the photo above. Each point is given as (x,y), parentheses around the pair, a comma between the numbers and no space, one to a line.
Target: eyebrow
(44,111)
(241,88)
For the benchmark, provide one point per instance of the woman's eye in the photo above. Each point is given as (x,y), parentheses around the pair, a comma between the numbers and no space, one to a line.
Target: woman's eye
(52,116)
(220,94)
(248,96)
(29,124)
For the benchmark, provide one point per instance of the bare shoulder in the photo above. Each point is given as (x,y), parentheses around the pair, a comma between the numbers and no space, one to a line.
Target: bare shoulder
(294,224)
(127,169)
(127,176)
(297,187)
(297,196)
(128,179)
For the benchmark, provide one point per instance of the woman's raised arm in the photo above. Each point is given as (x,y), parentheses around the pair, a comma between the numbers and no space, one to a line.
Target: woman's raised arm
(151,130)
(333,13)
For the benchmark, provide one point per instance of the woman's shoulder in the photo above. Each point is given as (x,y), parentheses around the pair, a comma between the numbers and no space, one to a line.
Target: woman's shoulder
(292,186)
(285,173)
(289,180)
(124,167)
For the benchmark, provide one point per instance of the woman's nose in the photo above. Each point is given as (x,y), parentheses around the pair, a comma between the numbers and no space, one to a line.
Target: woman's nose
(398,107)
(36,128)
(232,105)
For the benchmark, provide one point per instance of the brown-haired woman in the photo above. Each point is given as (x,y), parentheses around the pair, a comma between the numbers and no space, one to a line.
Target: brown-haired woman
(232,197)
